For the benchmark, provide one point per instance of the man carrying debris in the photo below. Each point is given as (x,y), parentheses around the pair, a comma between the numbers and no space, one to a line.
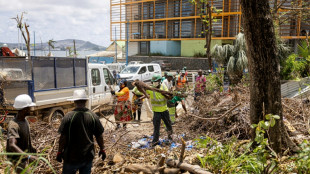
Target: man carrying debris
(18,136)
(76,143)
(122,110)
(200,84)
(171,106)
(159,107)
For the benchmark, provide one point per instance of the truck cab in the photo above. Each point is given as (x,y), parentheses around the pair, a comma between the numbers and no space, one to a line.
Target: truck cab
(101,82)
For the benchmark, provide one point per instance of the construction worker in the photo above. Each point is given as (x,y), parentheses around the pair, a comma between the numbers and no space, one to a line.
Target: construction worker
(159,107)
(76,143)
(185,69)
(122,110)
(181,85)
(165,76)
(200,84)
(181,81)
(171,106)
(136,103)
(18,135)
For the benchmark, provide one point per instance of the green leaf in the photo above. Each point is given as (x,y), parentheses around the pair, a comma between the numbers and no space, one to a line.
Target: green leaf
(268,116)
(272,122)
(276,117)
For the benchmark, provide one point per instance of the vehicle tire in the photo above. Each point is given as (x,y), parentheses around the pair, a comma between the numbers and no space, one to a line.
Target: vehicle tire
(55,119)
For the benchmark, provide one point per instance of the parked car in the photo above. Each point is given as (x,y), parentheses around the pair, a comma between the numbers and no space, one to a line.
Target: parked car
(165,65)
(135,62)
(118,67)
(142,72)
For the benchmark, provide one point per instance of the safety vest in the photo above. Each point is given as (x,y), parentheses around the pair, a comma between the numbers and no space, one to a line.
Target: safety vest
(158,101)
(181,82)
(124,97)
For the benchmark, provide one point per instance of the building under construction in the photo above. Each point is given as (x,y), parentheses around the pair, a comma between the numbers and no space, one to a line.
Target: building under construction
(175,28)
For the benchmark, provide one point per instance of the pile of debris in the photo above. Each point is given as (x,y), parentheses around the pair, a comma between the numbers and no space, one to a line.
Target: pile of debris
(218,115)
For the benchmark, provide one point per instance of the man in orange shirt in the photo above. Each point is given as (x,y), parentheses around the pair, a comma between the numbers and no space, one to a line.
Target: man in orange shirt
(122,110)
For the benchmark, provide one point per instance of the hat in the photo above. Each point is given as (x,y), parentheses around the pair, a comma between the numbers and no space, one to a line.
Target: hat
(199,70)
(79,95)
(183,71)
(169,75)
(156,77)
(23,101)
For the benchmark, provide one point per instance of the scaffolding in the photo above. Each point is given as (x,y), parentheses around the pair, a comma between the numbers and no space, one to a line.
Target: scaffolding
(175,20)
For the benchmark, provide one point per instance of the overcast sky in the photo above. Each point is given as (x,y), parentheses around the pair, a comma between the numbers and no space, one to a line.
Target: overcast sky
(58,19)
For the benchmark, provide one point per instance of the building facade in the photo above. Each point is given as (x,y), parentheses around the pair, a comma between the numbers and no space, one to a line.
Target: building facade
(174,27)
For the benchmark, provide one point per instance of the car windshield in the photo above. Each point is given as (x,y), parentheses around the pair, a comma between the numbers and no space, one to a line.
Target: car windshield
(130,70)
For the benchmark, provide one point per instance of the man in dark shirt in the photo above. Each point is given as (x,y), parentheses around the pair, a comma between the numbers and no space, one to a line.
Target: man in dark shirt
(76,143)
(18,136)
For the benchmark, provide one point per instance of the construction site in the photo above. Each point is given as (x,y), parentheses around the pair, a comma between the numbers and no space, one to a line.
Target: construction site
(167,111)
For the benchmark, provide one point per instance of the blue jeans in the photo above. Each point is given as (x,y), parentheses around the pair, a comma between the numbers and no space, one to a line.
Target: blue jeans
(83,168)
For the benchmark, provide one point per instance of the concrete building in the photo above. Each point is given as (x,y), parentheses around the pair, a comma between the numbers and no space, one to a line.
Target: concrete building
(174,27)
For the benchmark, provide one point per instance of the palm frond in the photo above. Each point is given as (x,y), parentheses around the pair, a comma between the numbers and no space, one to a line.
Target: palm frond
(231,65)
(303,49)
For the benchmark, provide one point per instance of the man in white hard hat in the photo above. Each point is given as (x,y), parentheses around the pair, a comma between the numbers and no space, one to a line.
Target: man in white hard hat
(76,143)
(18,136)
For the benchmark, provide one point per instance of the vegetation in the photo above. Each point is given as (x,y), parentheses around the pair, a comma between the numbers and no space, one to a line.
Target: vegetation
(297,66)
(234,56)
(252,156)
(50,45)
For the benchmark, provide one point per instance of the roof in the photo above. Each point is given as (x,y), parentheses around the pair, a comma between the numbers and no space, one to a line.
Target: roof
(106,54)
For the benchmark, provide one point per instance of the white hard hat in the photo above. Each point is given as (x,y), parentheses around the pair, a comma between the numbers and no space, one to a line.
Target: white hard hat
(79,95)
(23,101)
(5,45)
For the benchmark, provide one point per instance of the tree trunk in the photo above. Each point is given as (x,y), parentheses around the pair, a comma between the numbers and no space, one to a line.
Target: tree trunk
(264,69)
(209,35)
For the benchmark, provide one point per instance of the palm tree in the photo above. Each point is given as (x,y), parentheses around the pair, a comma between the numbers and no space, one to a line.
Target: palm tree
(50,45)
(69,51)
(234,56)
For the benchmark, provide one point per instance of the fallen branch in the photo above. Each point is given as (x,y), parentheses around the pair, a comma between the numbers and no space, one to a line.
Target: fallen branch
(147,169)
(218,118)
(107,119)
(182,150)
(184,166)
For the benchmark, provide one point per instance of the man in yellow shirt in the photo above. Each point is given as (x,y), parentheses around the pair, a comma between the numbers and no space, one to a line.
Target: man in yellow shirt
(160,109)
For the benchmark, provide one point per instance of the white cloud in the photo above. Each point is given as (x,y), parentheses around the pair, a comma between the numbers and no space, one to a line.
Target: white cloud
(57,19)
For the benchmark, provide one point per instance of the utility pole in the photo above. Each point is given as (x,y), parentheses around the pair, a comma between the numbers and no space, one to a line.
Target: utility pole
(115,61)
(74,49)
(34,43)
(127,41)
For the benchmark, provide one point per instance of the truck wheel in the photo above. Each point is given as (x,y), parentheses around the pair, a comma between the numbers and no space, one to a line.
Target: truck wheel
(55,119)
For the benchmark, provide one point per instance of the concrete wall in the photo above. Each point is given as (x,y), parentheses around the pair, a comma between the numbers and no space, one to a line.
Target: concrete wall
(192,63)
(133,48)
(190,47)
(167,48)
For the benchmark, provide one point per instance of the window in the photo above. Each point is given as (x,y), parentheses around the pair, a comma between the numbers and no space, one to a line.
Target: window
(109,80)
(142,70)
(151,68)
(95,77)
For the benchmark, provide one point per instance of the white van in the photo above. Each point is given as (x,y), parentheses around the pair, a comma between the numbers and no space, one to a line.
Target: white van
(142,72)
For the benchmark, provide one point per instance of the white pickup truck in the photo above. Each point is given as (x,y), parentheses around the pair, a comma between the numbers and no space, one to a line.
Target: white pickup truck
(50,81)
